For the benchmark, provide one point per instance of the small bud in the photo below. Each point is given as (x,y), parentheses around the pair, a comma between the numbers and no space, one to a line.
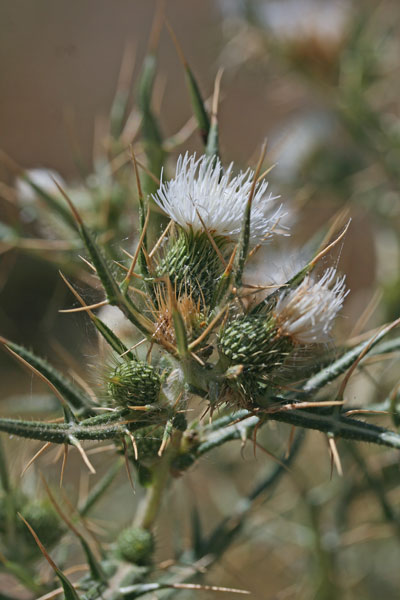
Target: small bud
(251,341)
(134,382)
(252,348)
(136,545)
(43,519)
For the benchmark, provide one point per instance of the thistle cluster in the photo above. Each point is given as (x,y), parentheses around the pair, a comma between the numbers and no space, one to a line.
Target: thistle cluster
(205,356)
(192,290)
(219,216)
(199,340)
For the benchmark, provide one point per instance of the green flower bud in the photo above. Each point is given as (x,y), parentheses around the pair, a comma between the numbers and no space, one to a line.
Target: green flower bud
(253,341)
(42,517)
(134,383)
(252,348)
(193,265)
(136,545)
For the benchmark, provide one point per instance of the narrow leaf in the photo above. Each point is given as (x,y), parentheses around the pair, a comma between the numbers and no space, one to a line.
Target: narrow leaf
(243,246)
(103,427)
(198,106)
(73,395)
(338,367)
(69,590)
(96,571)
(100,263)
(4,476)
(151,134)
(112,339)
(180,332)
(340,426)
(212,147)
(52,202)
(197,533)
(102,328)
(120,101)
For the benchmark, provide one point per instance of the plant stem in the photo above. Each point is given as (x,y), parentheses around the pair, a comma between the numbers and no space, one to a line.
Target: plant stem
(151,503)
(4,479)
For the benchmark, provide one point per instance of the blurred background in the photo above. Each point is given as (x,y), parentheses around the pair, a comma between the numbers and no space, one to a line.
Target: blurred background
(320,81)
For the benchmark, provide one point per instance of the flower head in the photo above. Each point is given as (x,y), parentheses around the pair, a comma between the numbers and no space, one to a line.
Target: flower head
(306,314)
(202,195)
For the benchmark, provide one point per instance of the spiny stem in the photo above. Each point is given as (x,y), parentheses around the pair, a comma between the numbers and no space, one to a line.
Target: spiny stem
(148,509)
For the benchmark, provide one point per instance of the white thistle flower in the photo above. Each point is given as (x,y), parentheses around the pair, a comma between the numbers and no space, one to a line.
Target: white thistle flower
(306,314)
(203,191)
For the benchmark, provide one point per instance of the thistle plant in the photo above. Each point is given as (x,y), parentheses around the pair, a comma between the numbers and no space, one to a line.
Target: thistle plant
(208,360)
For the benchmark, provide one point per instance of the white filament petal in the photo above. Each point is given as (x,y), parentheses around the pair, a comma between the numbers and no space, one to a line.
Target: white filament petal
(307,313)
(203,193)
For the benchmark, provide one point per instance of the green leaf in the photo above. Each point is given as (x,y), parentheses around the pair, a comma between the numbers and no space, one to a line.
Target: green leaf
(144,270)
(113,292)
(52,203)
(36,430)
(338,367)
(151,134)
(100,263)
(4,476)
(244,239)
(339,426)
(197,533)
(394,398)
(319,419)
(118,113)
(69,590)
(198,106)
(180,332)
(112,339)
(212,147)
(95,568)
(73,395)
(109,426)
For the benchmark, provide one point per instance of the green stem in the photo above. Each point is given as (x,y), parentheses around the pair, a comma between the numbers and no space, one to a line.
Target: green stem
(4,478)
(151,503)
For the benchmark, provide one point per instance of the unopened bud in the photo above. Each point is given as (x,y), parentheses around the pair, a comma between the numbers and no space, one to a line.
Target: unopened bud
(134,382)
(136,545)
